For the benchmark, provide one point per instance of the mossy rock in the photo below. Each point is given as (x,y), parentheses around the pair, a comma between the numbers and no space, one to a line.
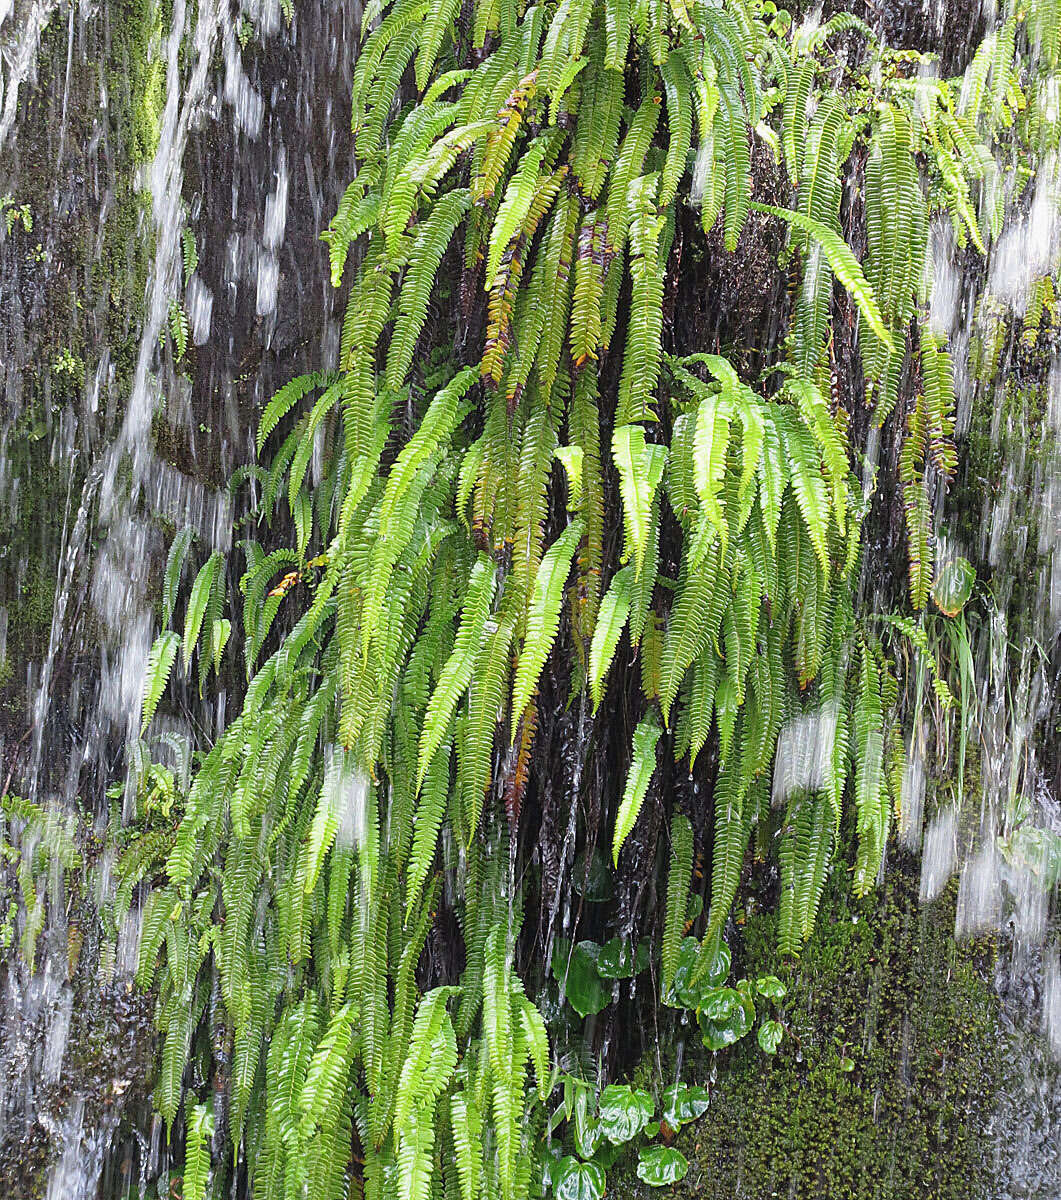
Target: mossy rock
(888,1075)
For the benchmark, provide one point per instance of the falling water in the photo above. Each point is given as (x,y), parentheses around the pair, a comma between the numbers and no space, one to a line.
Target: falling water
(246,113)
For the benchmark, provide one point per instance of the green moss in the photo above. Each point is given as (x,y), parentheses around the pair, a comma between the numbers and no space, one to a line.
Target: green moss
(887,1077)
(81,286)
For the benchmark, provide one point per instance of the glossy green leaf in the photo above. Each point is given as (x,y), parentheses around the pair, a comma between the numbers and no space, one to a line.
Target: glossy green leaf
(725,1017)
(770,1035)
(771,987)
(576,970)
(953,585)
(683,1103)
(574,1180)
(659,1166)
(616,961)
(624,1112)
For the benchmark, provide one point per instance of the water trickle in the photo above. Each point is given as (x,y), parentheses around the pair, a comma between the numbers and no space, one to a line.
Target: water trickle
(126,444)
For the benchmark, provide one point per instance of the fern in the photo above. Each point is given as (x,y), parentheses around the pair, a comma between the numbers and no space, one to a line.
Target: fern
(695,618)
(431,1058)
(432,552)
(160,662)
(198,600)
(681,865)
(543,617)
(320,1100)
(424,262)
(844,264)
(732,825)
(642,768)
(614,612)
(457,672)
(640,468)
(197,1151)
(467,1123)
(428,821)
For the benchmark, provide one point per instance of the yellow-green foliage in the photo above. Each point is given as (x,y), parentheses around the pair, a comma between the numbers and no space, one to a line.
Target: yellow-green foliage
(537,181)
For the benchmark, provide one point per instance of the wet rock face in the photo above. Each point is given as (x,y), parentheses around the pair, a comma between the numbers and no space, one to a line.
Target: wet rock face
(265,161)
(73,251)
(262,179)
(77,1048)
(908,1116)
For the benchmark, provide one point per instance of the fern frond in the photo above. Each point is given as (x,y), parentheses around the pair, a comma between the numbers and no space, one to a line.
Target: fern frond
(844,265)
(639,776)
(543,617)
(457,672)
(640,466)
(613,615)
(678,876)
(160,662)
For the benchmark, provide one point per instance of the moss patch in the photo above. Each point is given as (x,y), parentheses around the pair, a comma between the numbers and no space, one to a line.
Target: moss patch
(889,1074)
(72,283)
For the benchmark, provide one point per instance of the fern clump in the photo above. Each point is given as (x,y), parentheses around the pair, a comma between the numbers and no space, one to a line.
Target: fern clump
(568,496)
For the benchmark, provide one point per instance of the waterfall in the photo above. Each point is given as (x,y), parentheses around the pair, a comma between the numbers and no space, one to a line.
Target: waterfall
(246,151)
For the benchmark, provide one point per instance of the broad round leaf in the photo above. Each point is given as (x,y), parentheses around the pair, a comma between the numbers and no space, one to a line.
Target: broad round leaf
(616,962)
(953,586)
(624,1112)
(683,1103)
(719,1004)
(659,1166)
(770,1035)
(716,967)
(714,963)
(771,987)
(576,1180)
(725,1017)
(576,969)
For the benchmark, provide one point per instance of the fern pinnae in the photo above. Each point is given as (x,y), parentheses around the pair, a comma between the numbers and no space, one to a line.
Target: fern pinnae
(434,789)
(678,876)
(197,1151)
(843,262)
(197,602)
(737,168)
(160,660)
(731,841)
(690,629)
(432,240)
(283,401)
(178,552)
(639,776)
(486,700)
(431,1057)
(640,466)
(543,616)
(458,669)
(611,619)
(466,1124)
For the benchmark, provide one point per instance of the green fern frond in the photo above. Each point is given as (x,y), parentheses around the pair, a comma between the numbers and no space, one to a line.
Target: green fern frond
(543,617)
(642,768)
(678,876)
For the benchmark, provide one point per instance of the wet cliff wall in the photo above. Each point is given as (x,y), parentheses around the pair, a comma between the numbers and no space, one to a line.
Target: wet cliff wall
(260,158)
(264,161)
